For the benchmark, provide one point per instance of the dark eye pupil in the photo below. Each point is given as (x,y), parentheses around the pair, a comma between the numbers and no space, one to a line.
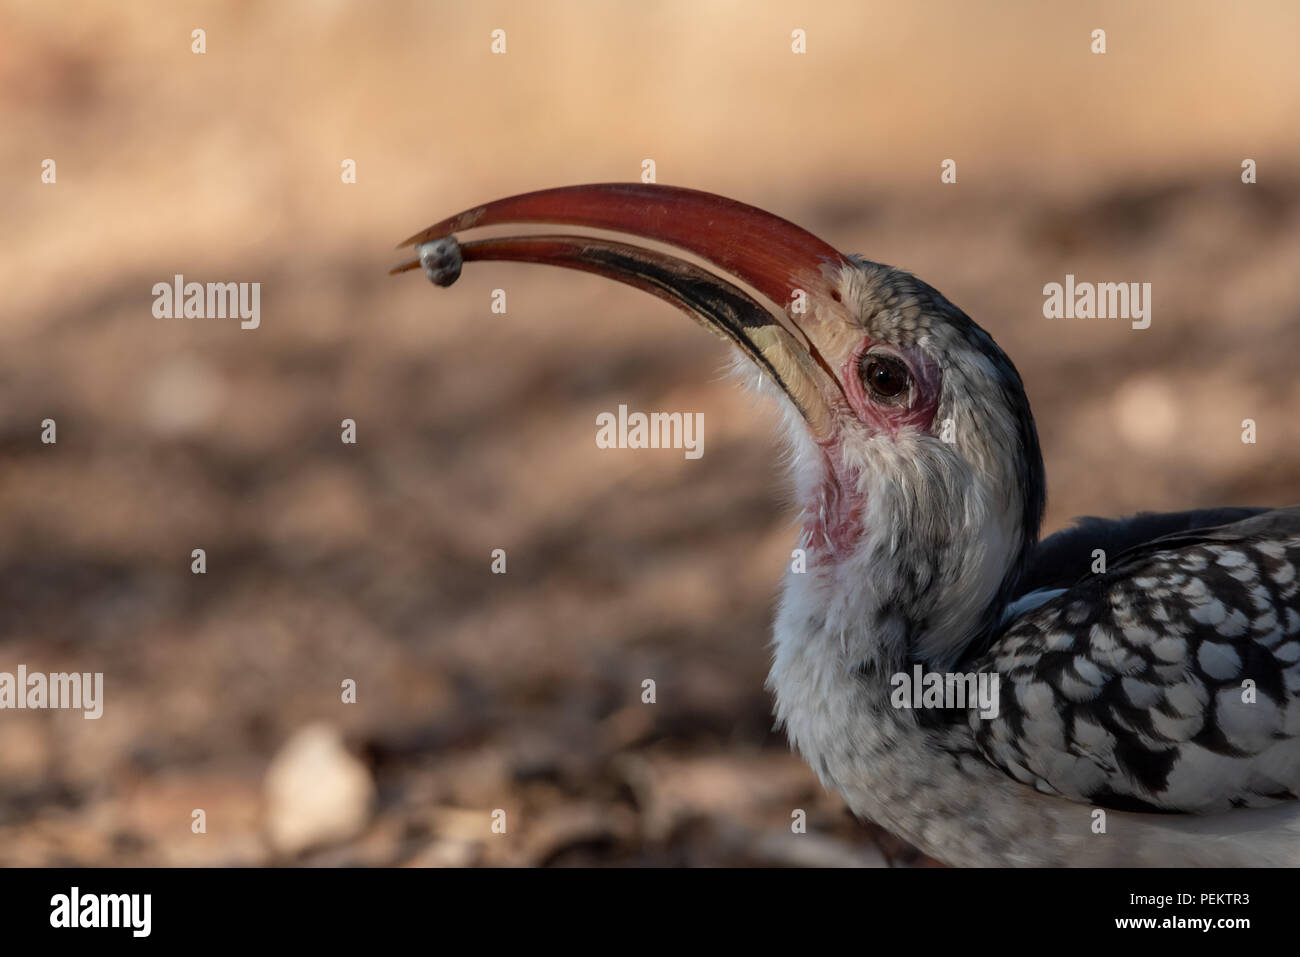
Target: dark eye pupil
(886,377)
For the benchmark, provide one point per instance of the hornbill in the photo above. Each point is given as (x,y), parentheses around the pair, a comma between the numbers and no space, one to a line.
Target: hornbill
(1149,711)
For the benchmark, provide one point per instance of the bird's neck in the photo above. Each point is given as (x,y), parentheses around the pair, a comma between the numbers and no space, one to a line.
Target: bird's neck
(832,696)
(913,563)
(900,596)
(918,583)
(844,628)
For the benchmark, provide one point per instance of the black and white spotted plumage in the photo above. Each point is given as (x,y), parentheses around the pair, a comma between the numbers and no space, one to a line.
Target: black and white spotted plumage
(1171,682)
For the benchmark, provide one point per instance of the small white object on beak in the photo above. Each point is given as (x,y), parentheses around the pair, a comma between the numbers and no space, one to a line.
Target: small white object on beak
(441,260)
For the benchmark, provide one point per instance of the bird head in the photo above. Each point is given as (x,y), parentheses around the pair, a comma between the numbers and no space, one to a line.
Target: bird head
(916,462)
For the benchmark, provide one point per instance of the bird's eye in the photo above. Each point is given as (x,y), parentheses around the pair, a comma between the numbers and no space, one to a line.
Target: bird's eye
(884,376)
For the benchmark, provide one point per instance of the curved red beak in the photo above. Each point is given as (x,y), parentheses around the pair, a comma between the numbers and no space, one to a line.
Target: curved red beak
(785,263)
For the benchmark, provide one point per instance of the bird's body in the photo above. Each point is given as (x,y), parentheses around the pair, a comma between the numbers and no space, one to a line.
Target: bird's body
(962,788)
(1148,706)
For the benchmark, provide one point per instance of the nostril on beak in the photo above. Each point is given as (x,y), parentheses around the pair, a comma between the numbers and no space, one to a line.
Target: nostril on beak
(441,260)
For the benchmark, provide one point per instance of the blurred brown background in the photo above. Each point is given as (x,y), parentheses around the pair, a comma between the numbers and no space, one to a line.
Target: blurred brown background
(476,431)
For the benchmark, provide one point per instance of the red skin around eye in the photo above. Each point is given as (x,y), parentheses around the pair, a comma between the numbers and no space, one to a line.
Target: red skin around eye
(916,412)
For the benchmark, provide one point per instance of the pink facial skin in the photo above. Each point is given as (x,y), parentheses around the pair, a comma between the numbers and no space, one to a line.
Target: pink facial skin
(835,518)
(919,405)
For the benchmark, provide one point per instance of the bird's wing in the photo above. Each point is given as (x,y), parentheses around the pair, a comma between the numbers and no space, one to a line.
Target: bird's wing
(1061,559)
(1170,682)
